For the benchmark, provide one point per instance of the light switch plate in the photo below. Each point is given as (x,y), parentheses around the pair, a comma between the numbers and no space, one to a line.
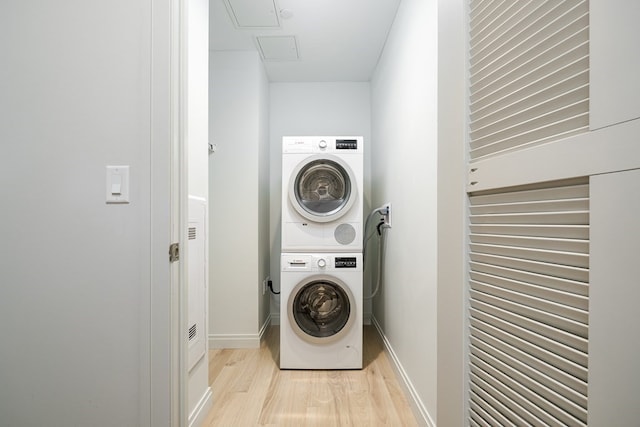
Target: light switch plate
(117,184)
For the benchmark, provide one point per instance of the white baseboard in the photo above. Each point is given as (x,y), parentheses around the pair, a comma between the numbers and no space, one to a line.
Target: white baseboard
(366,318)
(200,412)
(422,415)
(263,328)
(239,340)
(234,341)
(275,318)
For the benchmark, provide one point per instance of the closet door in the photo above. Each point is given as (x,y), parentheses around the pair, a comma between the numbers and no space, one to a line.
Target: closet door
(528,305)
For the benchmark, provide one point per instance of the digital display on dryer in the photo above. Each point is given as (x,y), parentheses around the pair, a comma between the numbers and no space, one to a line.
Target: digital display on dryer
(346,262)
(346,144)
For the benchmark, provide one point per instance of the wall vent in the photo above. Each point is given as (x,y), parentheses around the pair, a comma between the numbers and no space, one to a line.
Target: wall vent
(192,233)
(528,305)
(193,331)
(529,73)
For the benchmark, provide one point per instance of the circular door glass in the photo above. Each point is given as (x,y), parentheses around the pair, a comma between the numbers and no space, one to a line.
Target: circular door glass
(321,308)
(322,187)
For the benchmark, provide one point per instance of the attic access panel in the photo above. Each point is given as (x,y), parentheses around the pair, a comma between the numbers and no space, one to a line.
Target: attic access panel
(278,48)
(253,13)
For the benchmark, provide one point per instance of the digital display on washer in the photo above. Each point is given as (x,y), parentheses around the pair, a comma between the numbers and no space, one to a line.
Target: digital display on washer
(346,262)
(346,144)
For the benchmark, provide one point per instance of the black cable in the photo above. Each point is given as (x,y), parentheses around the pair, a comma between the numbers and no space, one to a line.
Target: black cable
(270,285)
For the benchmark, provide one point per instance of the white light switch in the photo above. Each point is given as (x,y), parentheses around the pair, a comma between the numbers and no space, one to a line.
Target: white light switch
(117,184)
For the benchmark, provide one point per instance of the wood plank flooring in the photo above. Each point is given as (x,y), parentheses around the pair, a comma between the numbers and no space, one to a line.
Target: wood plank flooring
(250,390)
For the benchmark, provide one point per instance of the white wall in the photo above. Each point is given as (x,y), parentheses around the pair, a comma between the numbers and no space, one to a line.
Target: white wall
(404,173)
(237,101)
(264,193)
(77,95)
(313,109)
(197,97)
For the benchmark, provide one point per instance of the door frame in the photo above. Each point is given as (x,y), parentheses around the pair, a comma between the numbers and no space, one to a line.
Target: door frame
(163,385)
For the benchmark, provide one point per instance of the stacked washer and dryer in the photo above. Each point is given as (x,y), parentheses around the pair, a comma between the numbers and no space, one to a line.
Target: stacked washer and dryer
(321,296)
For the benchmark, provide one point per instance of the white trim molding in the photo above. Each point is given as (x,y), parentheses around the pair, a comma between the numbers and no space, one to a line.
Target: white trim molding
(239,340)
(419,410)
(275,318)
(234,341)
(200,412)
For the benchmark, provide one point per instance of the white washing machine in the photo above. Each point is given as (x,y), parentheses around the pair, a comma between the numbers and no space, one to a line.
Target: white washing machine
(322,194)
(321,311)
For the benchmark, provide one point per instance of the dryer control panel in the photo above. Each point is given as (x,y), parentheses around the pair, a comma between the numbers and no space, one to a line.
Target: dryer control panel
(322,144)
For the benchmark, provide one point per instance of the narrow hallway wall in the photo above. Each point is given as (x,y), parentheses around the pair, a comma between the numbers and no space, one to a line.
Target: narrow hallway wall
(238,214)
(404,173)
(80,90)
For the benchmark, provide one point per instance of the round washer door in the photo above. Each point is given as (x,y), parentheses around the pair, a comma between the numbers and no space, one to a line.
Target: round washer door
(322,188)
(321,309)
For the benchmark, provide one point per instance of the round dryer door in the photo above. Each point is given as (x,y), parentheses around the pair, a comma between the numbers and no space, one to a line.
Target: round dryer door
(322,189)
(321,309)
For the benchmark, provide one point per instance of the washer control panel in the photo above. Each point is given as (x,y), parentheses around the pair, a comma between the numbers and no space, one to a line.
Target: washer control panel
(322,262)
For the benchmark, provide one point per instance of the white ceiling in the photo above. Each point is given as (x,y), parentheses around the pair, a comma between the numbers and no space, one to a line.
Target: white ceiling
(337,40)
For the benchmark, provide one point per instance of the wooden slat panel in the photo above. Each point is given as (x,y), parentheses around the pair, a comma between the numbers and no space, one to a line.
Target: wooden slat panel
(576,189)
(570,218)
(559,323)
(573,231)
(559,271)
(551,244)
(538,364)
(556,283)
(496,400)
(549,32)
(544,133)
(558,80)
(509,84)
(529,304)
(511,383)
(541,255)
(534,396)
(518,297)
(528,73)
(531,206)
(542,292)
(569,358)
(521,63)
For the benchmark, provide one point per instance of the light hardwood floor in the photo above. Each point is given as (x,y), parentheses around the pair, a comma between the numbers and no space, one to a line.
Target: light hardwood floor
(250,390)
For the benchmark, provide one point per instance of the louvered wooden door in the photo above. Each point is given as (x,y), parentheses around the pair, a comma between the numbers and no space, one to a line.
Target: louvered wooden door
(528,306)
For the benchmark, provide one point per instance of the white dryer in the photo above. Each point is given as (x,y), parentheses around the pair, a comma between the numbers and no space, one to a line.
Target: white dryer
(322,194)
(321,311)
